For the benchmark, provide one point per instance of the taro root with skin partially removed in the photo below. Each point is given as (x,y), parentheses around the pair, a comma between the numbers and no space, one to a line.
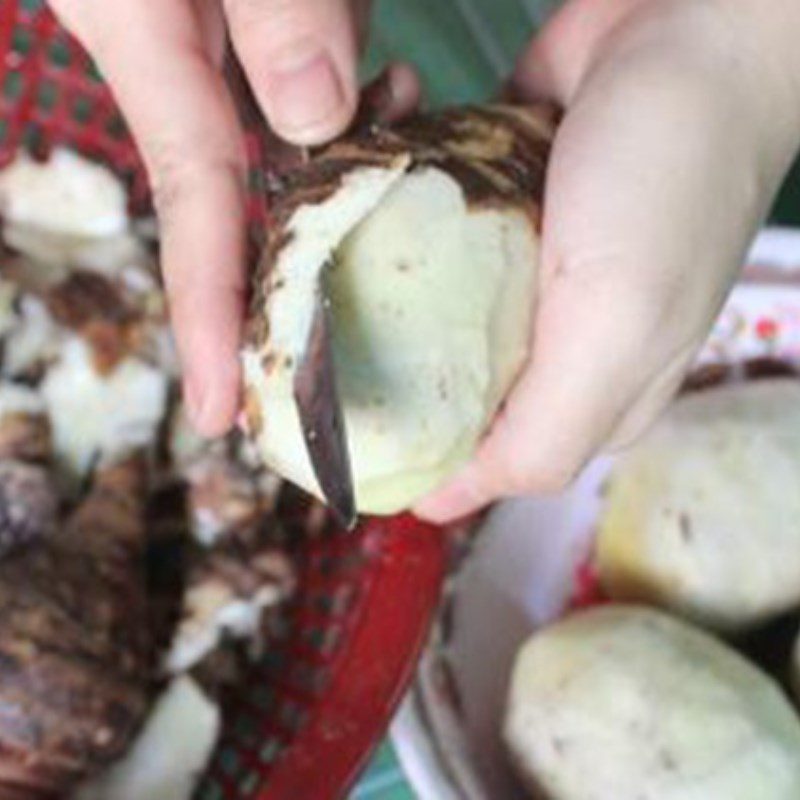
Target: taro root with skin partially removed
(427,237)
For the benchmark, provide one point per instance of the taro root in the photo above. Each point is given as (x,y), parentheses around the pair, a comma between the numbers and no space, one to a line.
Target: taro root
(74,645)
(427,238)
(98,310)
(627,702)
(702,516)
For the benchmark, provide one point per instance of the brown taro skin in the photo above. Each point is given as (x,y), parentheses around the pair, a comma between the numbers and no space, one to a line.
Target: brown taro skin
(28,505)
(74,646)
(497,153)
(28,497)
(96,308)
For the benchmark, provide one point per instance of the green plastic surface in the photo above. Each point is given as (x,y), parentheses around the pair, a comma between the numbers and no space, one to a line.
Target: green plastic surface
(464,49)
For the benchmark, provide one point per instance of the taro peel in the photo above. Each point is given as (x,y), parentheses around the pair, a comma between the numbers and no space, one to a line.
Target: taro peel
(430,231)
(24,426)
(28,497)
(228,592)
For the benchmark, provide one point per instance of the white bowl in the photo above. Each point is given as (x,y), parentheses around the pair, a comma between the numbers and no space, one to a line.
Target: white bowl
(520,571)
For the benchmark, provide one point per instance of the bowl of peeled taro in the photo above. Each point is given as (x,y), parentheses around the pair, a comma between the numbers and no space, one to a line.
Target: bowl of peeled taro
(644,624)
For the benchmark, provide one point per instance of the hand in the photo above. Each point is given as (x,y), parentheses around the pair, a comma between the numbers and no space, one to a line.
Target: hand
(163,60)
(682,117)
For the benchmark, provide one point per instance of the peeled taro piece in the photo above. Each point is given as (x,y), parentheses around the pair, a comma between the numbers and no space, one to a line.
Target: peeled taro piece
(74,644)
(627,702)
(427,237)
(171,752)
(701,514)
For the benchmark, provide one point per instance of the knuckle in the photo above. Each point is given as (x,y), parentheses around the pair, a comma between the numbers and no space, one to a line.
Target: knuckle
(277,22)
(176,172)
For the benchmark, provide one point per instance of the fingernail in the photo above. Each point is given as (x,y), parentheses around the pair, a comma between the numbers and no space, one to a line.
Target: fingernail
(305,96)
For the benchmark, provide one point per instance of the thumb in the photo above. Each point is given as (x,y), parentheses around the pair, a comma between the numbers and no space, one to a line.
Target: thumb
(300,58)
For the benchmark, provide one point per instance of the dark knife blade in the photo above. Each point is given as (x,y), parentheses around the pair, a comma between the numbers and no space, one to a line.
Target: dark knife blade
(315,390)
(319,406)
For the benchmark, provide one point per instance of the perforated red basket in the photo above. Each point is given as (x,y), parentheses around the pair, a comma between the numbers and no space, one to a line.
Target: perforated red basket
(315,708)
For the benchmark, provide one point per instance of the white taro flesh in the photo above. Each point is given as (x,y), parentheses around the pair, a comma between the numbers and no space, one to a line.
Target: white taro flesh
(702,516)
(627,702)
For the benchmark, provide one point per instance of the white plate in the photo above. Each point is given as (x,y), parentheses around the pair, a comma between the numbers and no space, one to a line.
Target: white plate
(521,569)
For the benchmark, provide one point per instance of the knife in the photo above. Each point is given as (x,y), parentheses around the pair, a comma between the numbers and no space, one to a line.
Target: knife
(315,389)
(319,406)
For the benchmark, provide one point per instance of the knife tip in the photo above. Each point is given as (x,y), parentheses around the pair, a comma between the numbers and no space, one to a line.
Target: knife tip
(345,514)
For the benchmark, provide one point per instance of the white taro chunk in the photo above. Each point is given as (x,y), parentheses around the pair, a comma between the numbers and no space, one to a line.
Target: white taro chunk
(627,702)
(703,515)
(170,754)
(428,239)
(96,415)
(67,212)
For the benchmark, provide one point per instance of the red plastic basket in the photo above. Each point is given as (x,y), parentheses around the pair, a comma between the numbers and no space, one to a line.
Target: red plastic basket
(313,711)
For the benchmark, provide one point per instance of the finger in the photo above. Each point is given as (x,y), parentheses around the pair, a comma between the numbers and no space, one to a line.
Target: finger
(300,58)
(552,421)
(176,104)
(556,61)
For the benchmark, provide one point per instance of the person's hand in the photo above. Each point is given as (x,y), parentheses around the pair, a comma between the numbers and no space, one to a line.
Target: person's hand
(682,117)
(163,60)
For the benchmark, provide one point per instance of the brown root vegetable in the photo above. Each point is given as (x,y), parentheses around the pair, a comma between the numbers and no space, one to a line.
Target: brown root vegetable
(223,497)
(74,644)
(28,505)
(427,236)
